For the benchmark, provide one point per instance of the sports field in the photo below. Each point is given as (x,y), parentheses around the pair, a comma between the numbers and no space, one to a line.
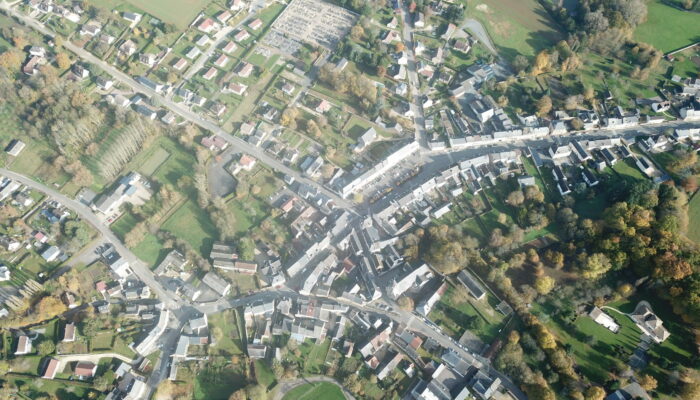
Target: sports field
(313,391)
(667,28)
(515,26)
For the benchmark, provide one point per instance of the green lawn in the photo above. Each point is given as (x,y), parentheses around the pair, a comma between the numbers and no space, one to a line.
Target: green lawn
(157,158)
(193,225)
(694,215)
(314,391)
(667,28)
(516,26)
(225,330)
(177,12)
(264,374)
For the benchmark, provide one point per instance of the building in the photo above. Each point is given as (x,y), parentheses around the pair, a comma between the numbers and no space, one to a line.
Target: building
(255,24)
(604,319)
(471,284)
(210,73)
(132,189)
(24,345)
(305,328)
(426,306)
(366,139)
(241,35)
(150,342)
(85,369)
(15,147)
(51,253)
(413,279)
(245,163)
(217,283)
(244,69)
(207,25)
(629,392)
(649,323)
(484,386)
(51,369)
(69,333)
(257,351)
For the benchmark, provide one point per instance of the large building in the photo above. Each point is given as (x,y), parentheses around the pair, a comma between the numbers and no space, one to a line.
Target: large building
(132,189)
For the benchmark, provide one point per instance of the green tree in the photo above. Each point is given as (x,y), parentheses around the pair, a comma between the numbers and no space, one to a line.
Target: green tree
(46,347)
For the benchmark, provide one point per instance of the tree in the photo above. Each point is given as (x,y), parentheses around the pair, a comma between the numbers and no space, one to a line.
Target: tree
(594,393)
(515,198)
(4,367)
(11,60)
(520,63)
(357,33)
(46,347)
(62,60)
(406,303)
(544,106)
(544,284)
(595,265)
(647,382)
(256,392)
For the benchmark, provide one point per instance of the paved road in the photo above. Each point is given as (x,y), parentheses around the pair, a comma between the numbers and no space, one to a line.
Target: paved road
(413,81)
(185,113)
(480,32)
(286,386)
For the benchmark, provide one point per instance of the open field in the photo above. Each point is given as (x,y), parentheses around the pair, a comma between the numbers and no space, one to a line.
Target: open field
(311,391)
(456,307)
(515,26)
(667,28)
(177,12)
(192,224)
(694,215)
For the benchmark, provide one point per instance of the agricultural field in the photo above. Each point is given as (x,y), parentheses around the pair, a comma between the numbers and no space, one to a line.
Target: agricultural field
(311,391)
(667,28)
(516,26)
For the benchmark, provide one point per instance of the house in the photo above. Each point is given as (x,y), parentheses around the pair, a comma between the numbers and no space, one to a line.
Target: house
(308,328)
(366,139)
(90,28)
(288,89)
(391,36)
(31,67)
(471,284)
(236,88)
(419,20)
(145,111)
(601,318)
(224,16)
(236,5)
(241,35)
(80,72)
(193,53)
(15,147)
(207,25)
(323,106)
(244,69)
(484,386)
(104,83)
(449,31)
(221,61)
(128,48)
(342,63)
(69,300)
(483,111)
(426,306)
(462,45)
(217,109)
(69,333)
(589,177)
(229,48)
(216,283)
(649,323)
(255,24)
(393,23)
(257,351)
(245,163)
(37,51)
(180,64)
(24,345)
(247,129)
(51,369)
(526,180)
(203,40)
(415,278)
(85,369)
(132,189)
(132,17)
(5,274)
(51,253)
(211,72)
(629,392)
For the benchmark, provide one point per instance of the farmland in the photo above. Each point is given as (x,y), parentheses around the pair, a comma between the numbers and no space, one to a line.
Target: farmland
(666,36)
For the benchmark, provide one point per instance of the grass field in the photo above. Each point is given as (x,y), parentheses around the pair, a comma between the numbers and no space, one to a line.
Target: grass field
(177,12)
(151,165)
(313,391)
(192,224)
(667,28)
(694,216)
(264,374)
(225,330)
(516,26)
(452,311)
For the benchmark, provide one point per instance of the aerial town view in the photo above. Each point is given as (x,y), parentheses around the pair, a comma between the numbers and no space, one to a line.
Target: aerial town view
(349,199)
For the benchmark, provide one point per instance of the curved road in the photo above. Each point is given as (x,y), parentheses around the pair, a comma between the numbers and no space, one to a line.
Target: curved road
(286,386)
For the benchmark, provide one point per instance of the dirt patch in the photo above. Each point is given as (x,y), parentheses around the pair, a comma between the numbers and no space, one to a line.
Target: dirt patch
(483,8)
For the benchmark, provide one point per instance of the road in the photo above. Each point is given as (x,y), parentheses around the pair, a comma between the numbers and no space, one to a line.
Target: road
(185,113)
(141,270)
(286,386)
(413,81)
(218,37)
(480,32)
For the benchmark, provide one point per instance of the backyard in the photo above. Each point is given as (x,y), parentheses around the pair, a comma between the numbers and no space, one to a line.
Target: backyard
(694,217)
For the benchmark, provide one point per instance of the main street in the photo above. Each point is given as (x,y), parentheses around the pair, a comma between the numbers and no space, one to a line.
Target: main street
(413,81)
